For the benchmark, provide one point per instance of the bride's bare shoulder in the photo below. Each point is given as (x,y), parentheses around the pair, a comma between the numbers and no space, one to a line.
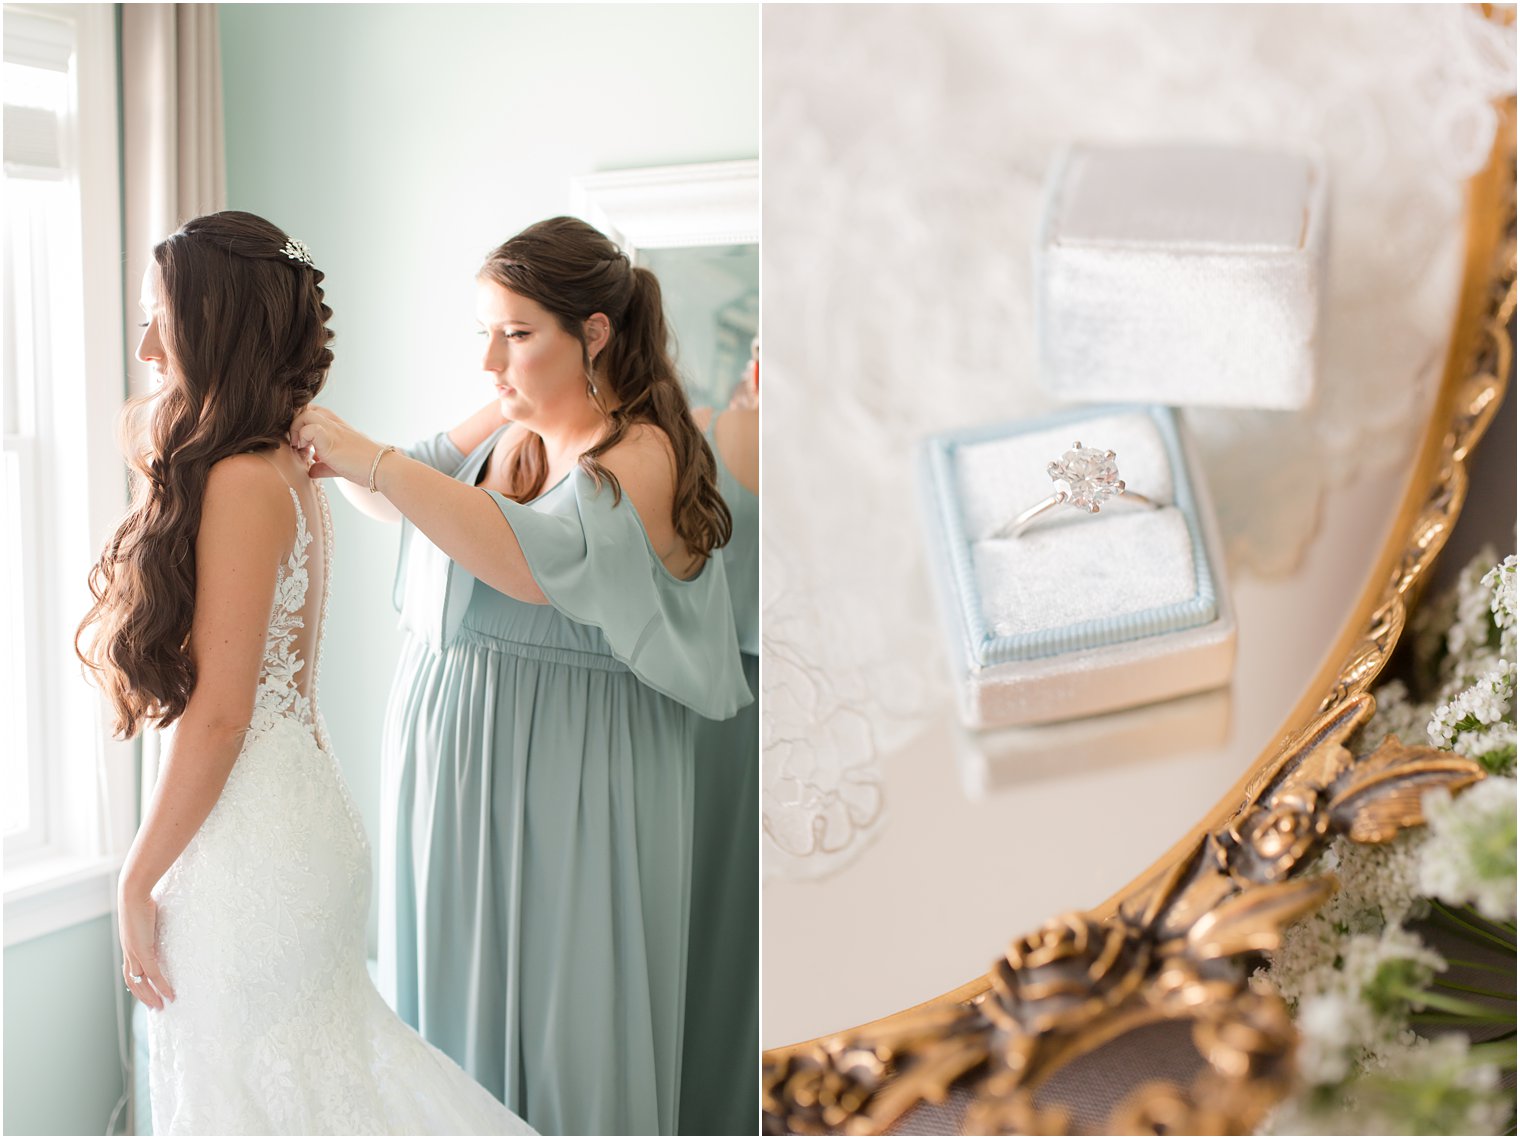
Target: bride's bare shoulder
(247,503)
(248,474)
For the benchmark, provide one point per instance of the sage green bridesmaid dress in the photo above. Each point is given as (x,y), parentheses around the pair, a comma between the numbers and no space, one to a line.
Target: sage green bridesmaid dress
(537,798)
(720,1069)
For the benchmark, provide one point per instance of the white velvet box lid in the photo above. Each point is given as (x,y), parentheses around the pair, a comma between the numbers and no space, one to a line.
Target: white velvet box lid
(1181,274)
(1080,614)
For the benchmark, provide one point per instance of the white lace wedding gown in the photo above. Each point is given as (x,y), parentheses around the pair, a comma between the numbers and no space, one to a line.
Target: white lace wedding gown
(277,1028)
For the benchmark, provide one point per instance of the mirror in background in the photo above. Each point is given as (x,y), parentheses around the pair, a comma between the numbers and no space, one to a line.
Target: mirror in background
(712,300)
(901,852)
(697,228)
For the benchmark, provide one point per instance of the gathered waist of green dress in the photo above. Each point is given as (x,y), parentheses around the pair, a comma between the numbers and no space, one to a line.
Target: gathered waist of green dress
(552,654)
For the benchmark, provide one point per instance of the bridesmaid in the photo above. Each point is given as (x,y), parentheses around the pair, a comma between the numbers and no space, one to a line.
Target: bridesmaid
(566,627)
(721,1051)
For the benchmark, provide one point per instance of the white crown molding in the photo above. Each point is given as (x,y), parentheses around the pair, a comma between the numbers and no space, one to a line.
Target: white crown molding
(664,207)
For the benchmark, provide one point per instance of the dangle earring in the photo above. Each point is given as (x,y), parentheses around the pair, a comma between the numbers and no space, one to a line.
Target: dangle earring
(589,358)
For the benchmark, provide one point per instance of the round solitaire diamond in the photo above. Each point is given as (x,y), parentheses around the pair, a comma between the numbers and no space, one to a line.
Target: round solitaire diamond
(1091,476)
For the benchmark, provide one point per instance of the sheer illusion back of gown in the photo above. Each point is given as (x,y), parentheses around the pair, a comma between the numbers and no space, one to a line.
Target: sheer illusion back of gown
(277,1028)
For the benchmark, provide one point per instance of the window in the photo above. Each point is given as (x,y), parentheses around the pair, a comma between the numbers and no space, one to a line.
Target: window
(40,215)
(69,800)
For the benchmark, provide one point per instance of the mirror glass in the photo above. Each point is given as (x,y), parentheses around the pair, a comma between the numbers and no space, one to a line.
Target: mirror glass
(712,301)
(902,853)
(958,842)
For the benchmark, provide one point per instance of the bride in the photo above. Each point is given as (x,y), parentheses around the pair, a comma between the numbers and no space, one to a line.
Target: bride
(244,897)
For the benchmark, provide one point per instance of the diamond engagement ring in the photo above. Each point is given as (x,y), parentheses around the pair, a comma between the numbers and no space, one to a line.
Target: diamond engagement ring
(1091,477)
(136,978)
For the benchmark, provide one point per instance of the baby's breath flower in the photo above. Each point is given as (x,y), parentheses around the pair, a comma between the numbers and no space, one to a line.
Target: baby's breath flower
(1469,855)
(1473,624)
(1424,1087)
(1350,971)
(1377,882)
(1350,993)
(1396,715)
(1479,721)
(1329,1027)
(1501,582)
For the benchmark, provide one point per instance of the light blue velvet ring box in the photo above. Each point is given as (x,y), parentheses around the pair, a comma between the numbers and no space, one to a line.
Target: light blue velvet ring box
(1080,614)
(1181,274)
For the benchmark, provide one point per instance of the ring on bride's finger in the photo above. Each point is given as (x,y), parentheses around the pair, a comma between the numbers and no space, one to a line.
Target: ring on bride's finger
(1091,477)
(137,978)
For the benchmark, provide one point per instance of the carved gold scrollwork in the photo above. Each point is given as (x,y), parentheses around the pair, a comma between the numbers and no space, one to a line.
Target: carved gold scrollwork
(1168,952)
(837,1085)
(1168,948)
(1248,1045)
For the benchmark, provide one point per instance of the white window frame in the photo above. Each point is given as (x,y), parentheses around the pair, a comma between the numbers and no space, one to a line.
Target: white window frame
(88,779)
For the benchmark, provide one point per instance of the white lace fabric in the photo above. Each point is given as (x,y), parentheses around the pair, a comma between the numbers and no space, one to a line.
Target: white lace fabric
(279,693)
(905,153)
(277,1028)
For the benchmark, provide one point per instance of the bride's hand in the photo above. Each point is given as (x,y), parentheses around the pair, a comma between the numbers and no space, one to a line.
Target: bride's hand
(331,447)
(139,950)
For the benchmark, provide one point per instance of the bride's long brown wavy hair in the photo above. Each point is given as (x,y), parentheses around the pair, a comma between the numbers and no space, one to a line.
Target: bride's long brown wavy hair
(573,270)
(244,329)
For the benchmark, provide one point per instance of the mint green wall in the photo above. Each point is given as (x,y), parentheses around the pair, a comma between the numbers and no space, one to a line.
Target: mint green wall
(401,142)
(62,1071)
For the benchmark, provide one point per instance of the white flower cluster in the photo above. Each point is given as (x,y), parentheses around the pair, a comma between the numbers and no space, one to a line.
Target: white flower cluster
(1350,971)
(1397,715)
(1474,707)
(1349,994)
(1501,582)
(1423,1087)
(1465,643)
(1448,626)
(1479,721)
(1472,629)
(1469,856)
(1377,882)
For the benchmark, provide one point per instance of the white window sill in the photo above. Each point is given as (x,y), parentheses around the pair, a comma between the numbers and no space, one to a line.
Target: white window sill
(50,893)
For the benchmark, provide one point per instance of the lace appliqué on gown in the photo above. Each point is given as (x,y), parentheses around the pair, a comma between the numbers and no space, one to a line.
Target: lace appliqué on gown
(279,693)
(277,1028)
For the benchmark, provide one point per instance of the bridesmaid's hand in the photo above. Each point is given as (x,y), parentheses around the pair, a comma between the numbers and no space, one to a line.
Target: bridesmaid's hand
(139,950)
(331,447)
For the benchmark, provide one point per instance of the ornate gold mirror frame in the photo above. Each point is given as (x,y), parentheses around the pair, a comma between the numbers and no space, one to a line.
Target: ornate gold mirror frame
(1164,948)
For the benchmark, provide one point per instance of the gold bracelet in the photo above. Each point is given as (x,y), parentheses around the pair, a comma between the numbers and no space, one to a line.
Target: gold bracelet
(375,466)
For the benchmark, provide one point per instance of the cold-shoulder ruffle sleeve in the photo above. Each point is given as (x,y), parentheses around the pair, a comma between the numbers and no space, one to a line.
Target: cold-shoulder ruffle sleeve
(429,591)
(439,452)
(595,565)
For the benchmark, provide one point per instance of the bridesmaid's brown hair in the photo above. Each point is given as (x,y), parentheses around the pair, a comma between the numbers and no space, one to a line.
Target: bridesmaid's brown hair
(573,270)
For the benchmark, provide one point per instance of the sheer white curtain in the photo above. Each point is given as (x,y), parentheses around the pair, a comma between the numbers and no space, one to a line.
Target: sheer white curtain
(173,158)
(173,168)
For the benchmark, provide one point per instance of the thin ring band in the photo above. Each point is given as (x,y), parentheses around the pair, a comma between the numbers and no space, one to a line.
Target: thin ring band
(137,978)
(1017,524)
